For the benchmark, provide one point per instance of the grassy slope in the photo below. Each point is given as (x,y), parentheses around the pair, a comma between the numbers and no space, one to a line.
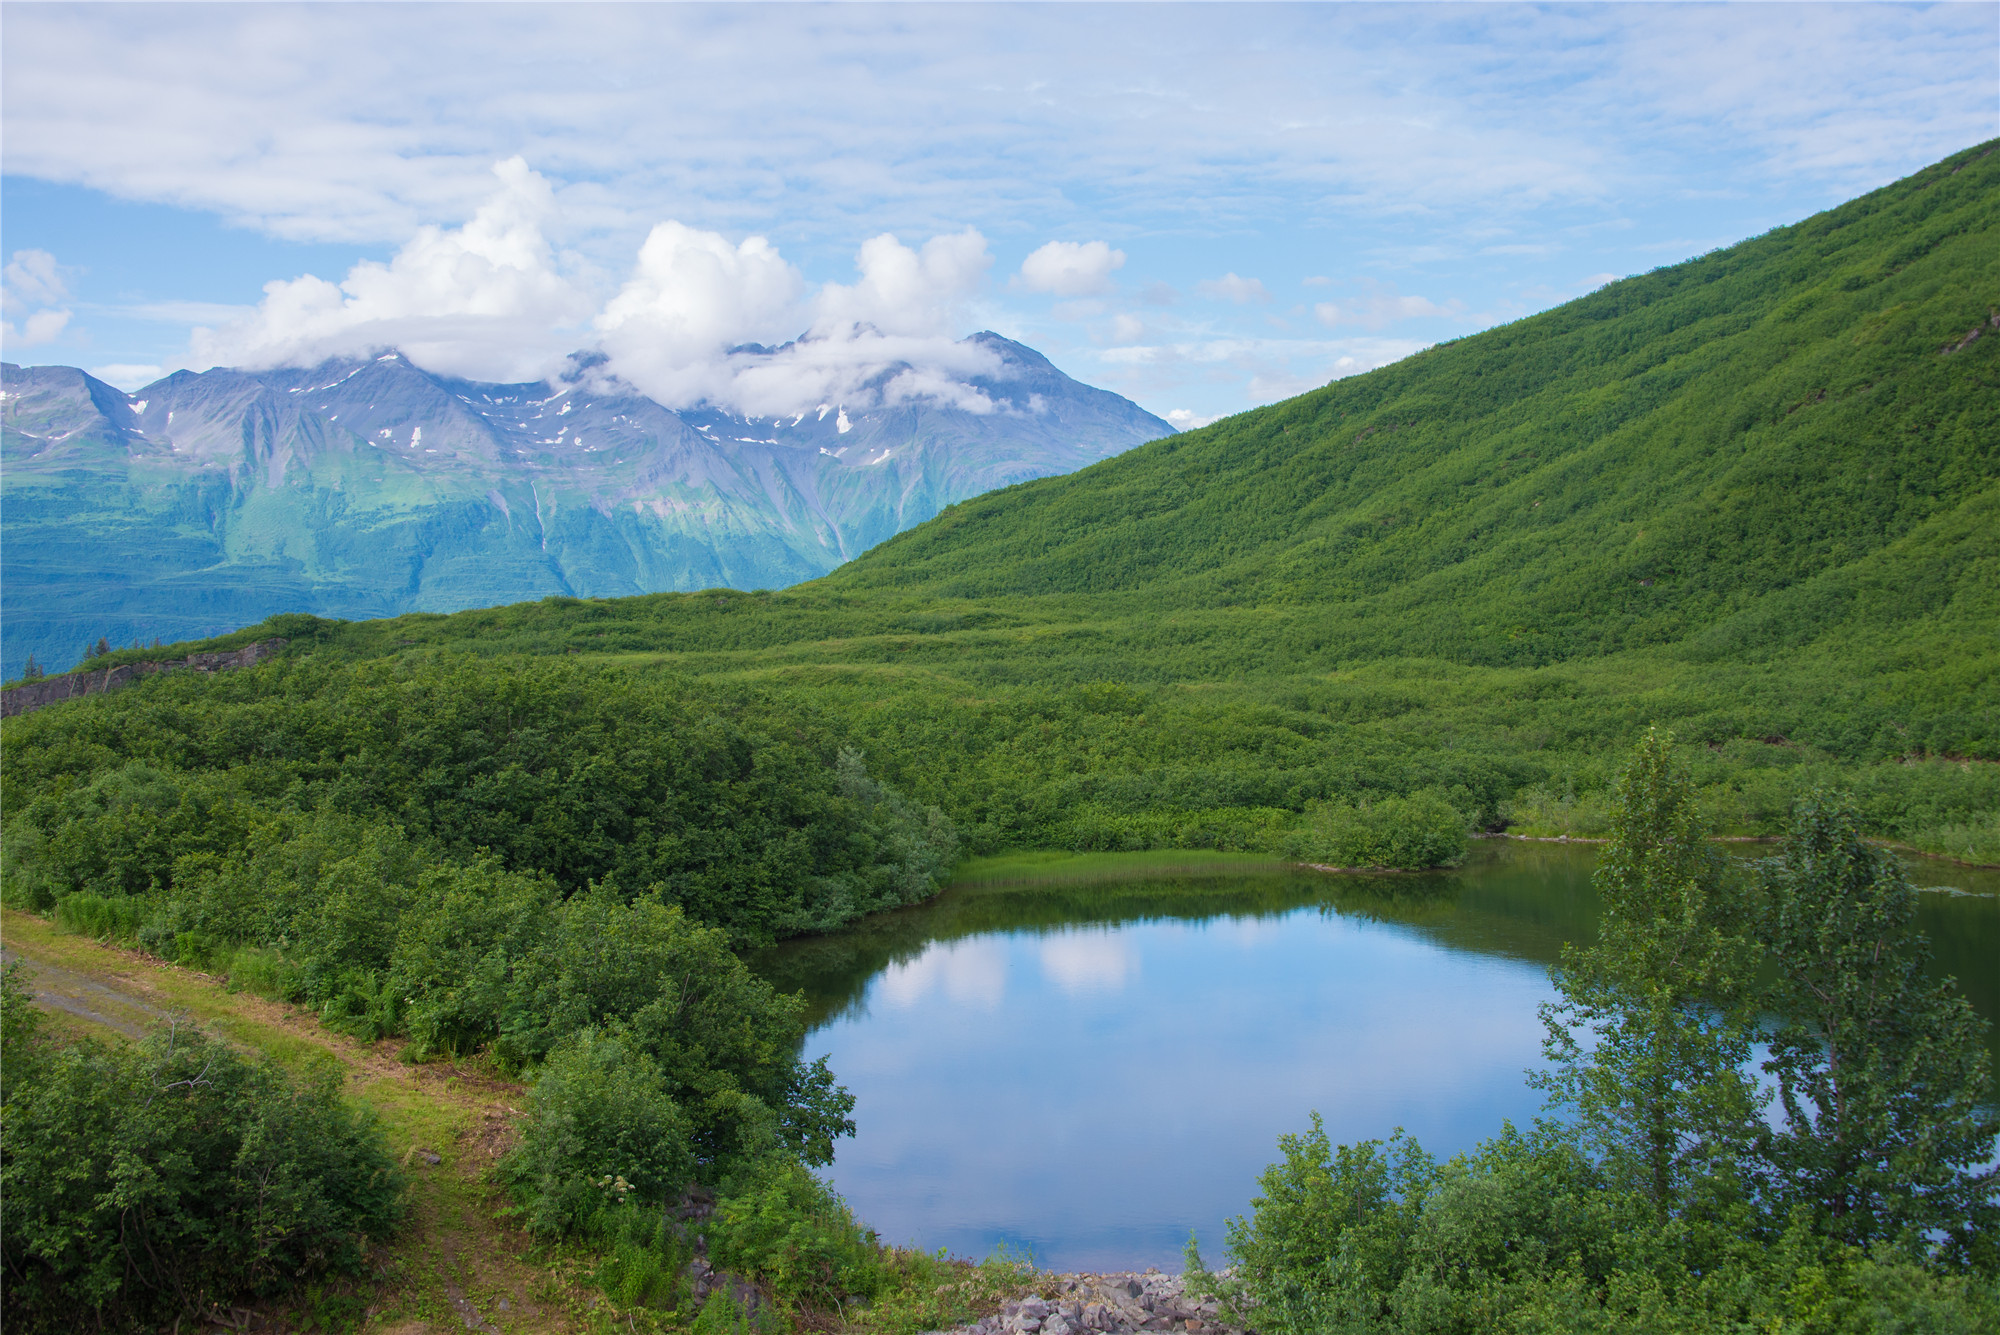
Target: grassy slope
(1748,496)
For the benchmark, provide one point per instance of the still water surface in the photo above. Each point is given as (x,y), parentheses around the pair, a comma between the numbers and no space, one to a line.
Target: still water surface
(1088,1072)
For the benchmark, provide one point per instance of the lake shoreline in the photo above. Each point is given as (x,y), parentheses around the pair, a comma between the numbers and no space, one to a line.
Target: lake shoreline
(1738,839)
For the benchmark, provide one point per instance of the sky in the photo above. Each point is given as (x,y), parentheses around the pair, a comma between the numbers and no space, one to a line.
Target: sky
(1202,207)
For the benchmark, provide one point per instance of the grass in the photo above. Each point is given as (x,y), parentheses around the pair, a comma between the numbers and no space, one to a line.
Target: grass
(1060,867)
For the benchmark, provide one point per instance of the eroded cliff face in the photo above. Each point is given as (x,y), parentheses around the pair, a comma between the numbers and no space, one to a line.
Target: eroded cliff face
(367,488)
(29,696)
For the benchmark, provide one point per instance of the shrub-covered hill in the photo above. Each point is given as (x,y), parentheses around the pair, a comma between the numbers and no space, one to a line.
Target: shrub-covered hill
(1753,496)
(1790,439)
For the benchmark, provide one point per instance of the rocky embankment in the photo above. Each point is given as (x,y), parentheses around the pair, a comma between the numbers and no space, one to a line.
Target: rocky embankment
(32,695)
(1113,1304)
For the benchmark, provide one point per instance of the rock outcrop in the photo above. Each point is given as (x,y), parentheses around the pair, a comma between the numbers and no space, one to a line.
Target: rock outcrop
(1109,1304)
(32,695)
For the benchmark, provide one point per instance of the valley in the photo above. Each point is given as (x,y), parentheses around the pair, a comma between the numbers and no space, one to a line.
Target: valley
(1709,551)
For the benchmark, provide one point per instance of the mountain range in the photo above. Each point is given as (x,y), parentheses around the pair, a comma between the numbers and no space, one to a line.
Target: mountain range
(371,487)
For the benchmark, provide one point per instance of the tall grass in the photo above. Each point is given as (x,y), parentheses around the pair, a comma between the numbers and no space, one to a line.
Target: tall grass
(112,918)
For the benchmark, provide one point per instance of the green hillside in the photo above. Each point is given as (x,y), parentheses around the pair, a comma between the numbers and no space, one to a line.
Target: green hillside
(1753,496)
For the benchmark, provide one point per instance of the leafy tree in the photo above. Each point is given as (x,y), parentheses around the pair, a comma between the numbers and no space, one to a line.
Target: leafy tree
(1883,1073)
(1665,997)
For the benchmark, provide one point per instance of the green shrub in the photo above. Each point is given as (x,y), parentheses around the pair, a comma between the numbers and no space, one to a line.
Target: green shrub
(723,1315)
(644,1252)
(147,1183)
(788,1229)
(602,1131)
(1421,830)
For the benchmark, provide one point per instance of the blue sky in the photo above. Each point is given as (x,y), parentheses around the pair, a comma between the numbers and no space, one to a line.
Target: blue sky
(1244,200)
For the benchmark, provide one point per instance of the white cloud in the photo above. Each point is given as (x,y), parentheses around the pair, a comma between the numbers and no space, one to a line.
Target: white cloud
(887,338)
(1380,305)
(1398,138)
(690,297)
(1127,329)
(1183,419)
(30,286)
(32,278)
(1071,269)
(127,376)
(485,300)
(1229,287)
(40,327)
(904,291)
(354,123)
(492,300)
(855,368)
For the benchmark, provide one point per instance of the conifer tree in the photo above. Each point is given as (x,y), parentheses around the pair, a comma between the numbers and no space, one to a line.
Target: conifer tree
(1882,1072)
(1666,996)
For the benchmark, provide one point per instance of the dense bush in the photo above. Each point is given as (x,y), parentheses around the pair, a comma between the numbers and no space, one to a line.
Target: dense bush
(1421,830)
(146,1183)
(1663,1198)
(1525,1234)
(601,1128)
(639,1000)
(231,795)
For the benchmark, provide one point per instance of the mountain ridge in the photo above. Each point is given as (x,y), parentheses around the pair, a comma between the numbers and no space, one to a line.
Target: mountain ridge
(368,486)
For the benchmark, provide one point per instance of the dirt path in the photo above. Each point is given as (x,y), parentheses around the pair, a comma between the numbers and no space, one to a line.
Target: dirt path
(59,989)
(457,1267)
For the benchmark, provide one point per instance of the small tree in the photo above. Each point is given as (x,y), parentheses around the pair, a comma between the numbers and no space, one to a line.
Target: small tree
(33,671)
(1882,1072)
(1665,994)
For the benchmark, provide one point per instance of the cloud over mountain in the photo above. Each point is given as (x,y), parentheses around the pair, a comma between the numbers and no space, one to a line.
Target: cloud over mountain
(494,300)
(487,299)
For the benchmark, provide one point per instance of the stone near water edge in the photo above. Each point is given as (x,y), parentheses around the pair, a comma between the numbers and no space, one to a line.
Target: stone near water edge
(1106,1304)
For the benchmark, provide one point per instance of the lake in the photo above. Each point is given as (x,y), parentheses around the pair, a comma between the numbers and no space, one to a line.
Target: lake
(1086,1069)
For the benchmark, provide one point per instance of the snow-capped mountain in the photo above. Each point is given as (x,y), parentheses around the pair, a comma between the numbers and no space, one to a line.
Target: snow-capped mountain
(371,487)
